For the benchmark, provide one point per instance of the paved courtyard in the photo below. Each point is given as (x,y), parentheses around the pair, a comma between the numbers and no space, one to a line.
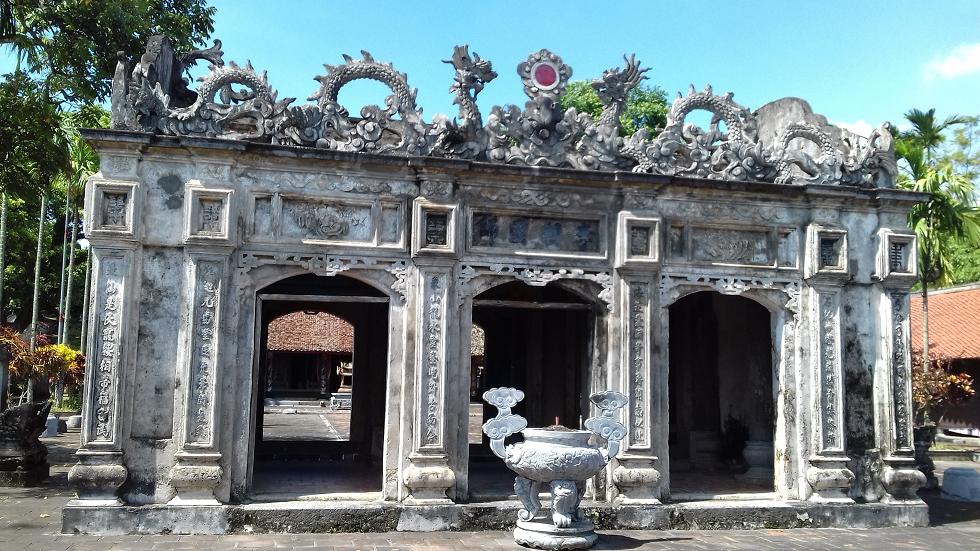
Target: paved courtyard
(31,519)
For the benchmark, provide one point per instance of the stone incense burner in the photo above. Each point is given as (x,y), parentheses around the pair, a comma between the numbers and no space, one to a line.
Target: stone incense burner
(560,457)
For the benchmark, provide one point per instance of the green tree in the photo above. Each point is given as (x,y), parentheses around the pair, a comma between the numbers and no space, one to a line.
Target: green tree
(947,216)
(927,132)
(646,106)
(964,263)
(68,49)
(72,44)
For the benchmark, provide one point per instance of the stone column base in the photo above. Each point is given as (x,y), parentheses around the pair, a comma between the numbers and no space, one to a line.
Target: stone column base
(830,479)
(429,480)
(637,480)
(901,480)
(195,476)
(97,477)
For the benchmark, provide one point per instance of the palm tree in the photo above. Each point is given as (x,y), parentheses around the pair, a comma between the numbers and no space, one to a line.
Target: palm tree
(926,132)
(82,163)
(946,216)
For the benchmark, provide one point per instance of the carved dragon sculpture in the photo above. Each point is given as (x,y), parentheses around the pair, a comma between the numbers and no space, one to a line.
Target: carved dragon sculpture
(236,102)
(465,137)
(824,169)
(600,145)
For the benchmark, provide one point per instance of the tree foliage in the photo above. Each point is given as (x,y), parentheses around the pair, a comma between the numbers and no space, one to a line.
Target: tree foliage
(31,149)
(646,106)
(964,261)
(68,52)
(936,387)
(946,217)
(72,44)
(949,216)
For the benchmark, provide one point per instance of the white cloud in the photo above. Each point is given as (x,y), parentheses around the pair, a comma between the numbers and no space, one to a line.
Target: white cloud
(860,127)
(963,60)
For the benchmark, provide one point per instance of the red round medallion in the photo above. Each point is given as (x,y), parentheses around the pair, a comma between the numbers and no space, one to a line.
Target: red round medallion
(545,75)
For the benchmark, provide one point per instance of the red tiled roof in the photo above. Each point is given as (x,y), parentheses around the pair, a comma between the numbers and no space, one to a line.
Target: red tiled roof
(302,332)
(954,321)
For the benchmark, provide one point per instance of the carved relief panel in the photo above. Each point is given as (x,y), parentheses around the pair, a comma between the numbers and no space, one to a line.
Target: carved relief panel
(637,361)
(114,209)
(279,218)
(208,214)
(896,259)
(637,240)
(107,348)
(531,233)
(202,375)
(746,246)
(826,252)
(434,228)
(434,287)
(826,335)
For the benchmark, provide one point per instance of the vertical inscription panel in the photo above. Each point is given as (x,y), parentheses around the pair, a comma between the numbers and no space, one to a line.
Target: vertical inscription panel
(638,353)
(829,369)
(202,378)
(432,361)
(901,385)
(107,349)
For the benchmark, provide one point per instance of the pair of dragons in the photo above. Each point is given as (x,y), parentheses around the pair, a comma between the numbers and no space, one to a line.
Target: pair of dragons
(238,103)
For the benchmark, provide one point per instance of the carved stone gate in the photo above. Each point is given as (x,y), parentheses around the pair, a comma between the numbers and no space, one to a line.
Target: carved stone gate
(204,199)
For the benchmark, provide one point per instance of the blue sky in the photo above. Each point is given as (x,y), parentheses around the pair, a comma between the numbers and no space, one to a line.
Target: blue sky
(853,61)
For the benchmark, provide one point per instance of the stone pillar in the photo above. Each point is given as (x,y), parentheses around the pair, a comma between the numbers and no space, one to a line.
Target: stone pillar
(100,470)
(826,270)
(112,210)
(642,373)
(643,380)
(429,476)
(787,477)
(197,471)
(896,268)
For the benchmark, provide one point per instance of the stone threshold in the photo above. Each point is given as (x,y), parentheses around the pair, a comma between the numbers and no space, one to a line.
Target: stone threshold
(337,516)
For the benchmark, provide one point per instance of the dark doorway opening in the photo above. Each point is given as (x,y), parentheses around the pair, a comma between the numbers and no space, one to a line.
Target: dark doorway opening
(536,339)
(722,418)
(321,388)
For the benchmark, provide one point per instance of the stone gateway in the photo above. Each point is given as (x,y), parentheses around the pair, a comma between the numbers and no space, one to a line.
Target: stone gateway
(744,285)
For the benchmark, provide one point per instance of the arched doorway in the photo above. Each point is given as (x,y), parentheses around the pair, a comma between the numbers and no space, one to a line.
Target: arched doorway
(721,397)
(321,388)
(539,339)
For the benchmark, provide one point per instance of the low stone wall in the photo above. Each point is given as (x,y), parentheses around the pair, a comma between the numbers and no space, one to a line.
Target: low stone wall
(326,517)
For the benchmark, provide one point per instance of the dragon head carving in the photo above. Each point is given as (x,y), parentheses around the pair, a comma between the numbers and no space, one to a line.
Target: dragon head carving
(471,71)
(614,86)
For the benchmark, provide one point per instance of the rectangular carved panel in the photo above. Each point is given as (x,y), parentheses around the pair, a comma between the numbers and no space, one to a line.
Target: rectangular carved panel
(519,232)
(114,210)
(900,372)
(433,343)
(201,381)
(726,246)
(436,228)
(210,216)
(829,370)
(104,396)
(637,354)
(327,221)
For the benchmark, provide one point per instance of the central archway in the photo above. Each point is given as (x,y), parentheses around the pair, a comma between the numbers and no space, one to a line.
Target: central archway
(541,340)
(721,397)
(321,388)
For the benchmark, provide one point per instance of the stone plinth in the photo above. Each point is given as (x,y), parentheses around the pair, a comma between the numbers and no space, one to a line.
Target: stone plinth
(961,484)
